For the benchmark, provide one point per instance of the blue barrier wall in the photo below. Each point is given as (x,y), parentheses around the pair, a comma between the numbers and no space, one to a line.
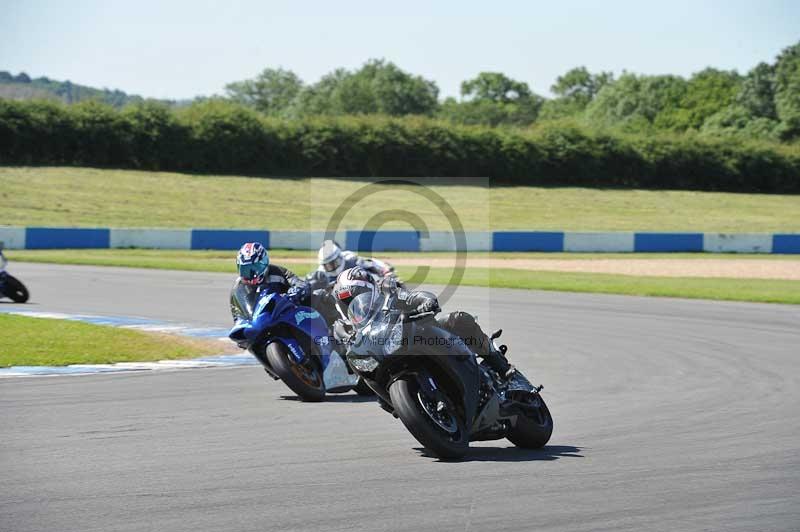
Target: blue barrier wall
(376,241)
(786,243)
(527,241)
(226,239)
(382,240)
(65,237)
(667,242)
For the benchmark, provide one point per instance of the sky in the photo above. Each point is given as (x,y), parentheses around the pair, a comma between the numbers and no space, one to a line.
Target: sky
(184,48)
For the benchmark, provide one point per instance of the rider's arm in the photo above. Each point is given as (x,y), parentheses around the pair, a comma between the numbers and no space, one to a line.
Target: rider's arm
(280,279)
(418,302)
(375,266)
(290,276)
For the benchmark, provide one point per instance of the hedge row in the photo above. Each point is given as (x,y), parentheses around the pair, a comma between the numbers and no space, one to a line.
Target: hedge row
(220,137)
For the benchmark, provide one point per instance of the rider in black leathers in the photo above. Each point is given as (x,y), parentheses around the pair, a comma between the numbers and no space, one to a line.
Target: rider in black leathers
(355,281)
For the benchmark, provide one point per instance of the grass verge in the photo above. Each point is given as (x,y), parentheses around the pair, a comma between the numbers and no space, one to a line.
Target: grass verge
(122,198)
(724,289)
(48,342)
(759,290)
(302,260)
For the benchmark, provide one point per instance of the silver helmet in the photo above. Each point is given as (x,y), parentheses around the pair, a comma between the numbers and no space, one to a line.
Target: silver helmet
(331,259)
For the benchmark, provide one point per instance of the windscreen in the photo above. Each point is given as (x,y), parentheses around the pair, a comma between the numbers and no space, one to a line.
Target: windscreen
(363,308)
(243,300)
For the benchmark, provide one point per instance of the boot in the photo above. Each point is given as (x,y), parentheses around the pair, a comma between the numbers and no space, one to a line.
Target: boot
(496,359)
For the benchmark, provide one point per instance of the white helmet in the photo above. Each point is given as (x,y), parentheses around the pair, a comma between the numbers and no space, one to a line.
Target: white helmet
(331,259)
(351,283)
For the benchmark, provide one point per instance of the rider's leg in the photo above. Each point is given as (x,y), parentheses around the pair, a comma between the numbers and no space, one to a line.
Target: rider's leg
(464,325)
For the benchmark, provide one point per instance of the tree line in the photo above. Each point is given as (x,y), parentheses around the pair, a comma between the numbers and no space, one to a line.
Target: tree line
(23,87)
(762,104)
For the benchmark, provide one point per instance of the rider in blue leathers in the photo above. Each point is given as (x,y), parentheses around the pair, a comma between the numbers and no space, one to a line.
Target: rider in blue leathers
(256,274)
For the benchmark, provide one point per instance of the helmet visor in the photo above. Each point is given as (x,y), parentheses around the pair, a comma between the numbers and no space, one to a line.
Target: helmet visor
(362,308)
(252,273)
(333,265)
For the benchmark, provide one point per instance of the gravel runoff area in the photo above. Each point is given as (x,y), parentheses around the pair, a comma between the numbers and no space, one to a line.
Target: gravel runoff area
(661,267)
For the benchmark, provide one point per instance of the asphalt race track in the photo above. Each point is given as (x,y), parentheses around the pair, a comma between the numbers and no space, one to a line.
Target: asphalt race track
(670,415)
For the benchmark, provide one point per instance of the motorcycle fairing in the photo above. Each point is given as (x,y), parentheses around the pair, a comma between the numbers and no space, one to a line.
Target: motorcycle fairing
(273,309)
(337,375)
(457,363)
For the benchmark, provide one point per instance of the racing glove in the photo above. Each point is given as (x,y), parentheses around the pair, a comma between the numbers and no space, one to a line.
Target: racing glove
(296,293)
(430,305)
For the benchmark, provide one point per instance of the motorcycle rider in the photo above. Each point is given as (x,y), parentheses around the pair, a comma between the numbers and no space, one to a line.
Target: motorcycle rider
(356,281)
(256,274)
(333,260)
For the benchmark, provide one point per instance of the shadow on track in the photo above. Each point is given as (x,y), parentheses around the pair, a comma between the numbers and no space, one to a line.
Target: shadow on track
(513,454)
(333,398)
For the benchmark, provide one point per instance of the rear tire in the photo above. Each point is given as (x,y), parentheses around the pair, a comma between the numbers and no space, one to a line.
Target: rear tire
(15,290)
(303,380)
(405,393)
(533,432)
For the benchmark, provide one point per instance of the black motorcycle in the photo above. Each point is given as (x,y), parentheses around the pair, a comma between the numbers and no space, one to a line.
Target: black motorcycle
(10,286)
(432,381)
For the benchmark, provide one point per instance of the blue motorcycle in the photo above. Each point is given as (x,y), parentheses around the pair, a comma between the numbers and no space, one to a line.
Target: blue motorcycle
(294,345)
(10,286)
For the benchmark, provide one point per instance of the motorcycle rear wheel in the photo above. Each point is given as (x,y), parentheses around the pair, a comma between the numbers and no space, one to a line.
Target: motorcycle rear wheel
(407,401)
(303,379)
(533,432)
(15,290)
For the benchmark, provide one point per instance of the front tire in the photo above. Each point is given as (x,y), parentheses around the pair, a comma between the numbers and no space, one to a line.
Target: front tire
(303,379)
(15,290)
(407,400)
(533,432)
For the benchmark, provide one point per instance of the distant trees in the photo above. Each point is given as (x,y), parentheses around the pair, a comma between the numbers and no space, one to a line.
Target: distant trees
(637,102)
(574,91)
(23,87)
(378,87)
(762,104)
(271,92)
(492,98)
(787,91)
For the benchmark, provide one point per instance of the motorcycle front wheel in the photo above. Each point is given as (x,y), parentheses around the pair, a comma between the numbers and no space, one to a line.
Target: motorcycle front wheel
(430,419)
(304,379)
(533,431)
(15,290)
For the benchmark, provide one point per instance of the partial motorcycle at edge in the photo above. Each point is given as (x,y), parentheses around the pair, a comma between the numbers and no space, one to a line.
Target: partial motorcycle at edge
(10,286)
